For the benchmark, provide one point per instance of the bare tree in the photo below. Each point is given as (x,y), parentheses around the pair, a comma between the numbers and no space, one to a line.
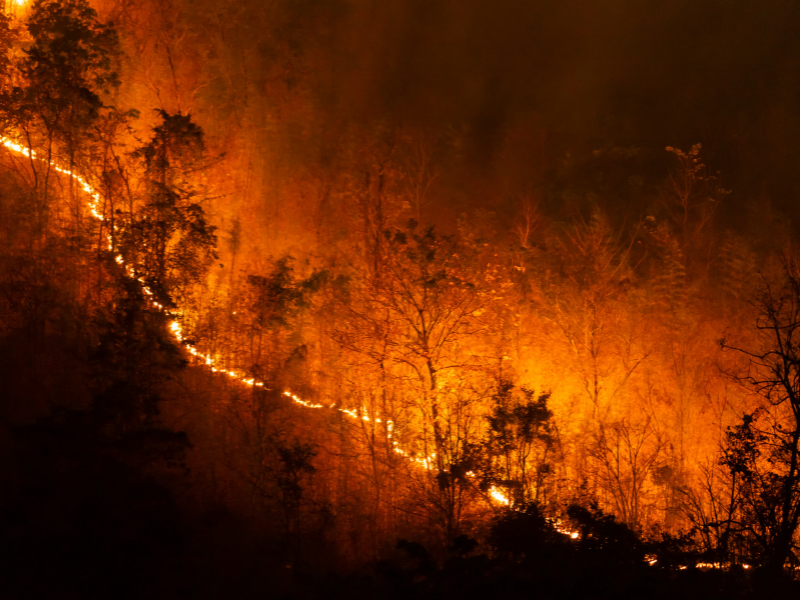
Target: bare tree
(627,455)
(763,452)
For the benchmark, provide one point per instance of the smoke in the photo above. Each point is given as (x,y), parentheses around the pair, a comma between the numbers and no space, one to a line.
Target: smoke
(519,95)
(618,71)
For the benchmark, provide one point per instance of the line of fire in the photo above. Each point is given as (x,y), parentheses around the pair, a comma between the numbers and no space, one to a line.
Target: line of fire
(317,299)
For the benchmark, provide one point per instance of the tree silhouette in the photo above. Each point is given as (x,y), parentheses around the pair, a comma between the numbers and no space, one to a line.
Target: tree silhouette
(522,443)
(763,452)
(167,240)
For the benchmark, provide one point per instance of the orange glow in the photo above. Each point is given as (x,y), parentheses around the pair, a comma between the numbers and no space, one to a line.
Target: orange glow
(215,363)
(499,496)
(426,462)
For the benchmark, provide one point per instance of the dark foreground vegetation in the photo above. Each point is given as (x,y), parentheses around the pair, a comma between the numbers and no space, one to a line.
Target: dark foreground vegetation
(120,535)
(592,392)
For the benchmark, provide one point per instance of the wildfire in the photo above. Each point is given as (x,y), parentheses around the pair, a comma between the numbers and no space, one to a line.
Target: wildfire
(426,462)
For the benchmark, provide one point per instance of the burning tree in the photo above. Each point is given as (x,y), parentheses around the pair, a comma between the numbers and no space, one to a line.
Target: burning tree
(422,324)
(763,452)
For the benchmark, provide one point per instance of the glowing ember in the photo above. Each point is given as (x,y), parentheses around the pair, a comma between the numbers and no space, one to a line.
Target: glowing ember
(559,526)
(499,496)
